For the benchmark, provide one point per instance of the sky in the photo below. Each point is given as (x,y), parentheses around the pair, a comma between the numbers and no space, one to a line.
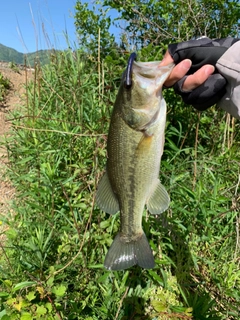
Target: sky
(31,25)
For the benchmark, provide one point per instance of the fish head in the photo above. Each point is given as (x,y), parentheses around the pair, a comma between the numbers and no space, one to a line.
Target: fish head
(140,101)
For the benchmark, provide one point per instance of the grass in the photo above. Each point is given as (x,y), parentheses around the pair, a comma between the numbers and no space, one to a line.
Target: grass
(5,86)
(52,266)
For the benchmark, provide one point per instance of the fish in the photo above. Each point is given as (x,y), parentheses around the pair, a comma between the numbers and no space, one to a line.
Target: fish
(134,147)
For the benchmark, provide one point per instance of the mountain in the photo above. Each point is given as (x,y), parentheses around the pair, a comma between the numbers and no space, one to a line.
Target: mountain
(11,55)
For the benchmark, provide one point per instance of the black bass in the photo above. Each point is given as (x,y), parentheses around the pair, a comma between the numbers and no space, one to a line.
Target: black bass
(135,146)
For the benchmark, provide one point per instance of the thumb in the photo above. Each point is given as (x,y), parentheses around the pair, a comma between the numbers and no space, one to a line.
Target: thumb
(178,72)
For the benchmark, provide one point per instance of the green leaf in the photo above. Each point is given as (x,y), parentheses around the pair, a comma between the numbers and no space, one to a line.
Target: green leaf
(156,277)
(4,294)
(31,296)
(104,224)
(189,311)
(103,278)
(22,285)
(59,291)
(95,266)
(26,316)
(41,310)
(81,205)
(5,317)
(8,283)
(2,313)
(49,307)
(159,306)
(50,281)
(11,234)
(23,161)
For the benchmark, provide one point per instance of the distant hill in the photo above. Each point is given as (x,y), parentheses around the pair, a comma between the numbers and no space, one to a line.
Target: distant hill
(11,55)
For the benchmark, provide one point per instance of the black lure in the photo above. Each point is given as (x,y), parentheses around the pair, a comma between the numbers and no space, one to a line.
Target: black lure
(128,76)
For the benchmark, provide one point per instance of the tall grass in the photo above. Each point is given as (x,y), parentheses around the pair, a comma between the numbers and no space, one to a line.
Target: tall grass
(52,267)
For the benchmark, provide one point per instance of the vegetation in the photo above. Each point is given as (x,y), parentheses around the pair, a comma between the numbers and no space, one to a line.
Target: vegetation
(10,55)
(5,86)
(51,264)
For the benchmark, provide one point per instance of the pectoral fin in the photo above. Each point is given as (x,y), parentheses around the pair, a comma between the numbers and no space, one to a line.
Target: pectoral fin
(159,200)
(105,197)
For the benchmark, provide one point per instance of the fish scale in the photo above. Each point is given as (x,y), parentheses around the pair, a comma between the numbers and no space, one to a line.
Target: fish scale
(125,181)
(135,146)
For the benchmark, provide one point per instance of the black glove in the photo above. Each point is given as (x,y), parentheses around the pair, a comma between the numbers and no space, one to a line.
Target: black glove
(201,52)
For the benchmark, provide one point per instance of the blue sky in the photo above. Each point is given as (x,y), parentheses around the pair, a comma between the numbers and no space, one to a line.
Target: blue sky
(31,25)
(17,28)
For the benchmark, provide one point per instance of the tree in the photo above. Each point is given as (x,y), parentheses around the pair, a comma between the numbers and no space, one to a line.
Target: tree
(162,22)
(93,29)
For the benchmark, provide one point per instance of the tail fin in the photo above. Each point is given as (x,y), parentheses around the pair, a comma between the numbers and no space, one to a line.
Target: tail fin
(123,254)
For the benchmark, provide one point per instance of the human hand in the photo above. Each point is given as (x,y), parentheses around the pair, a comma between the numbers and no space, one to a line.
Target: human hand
(191,86)
(180,70)
(201,87)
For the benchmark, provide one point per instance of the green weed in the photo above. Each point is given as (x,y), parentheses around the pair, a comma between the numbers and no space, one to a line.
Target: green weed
(5,86)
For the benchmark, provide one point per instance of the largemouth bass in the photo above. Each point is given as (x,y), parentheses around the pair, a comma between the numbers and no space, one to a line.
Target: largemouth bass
(135,146)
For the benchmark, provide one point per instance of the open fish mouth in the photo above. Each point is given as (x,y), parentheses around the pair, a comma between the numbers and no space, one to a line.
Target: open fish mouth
(145,71)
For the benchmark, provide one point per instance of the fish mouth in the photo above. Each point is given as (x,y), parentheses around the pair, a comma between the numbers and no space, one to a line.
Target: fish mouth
(151,73)
(145,72)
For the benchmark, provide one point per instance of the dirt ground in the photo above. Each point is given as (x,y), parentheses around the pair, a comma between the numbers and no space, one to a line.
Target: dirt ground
(14,99)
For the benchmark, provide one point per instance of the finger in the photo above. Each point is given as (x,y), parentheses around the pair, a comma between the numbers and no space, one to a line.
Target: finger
(198,78)
(178,72)
(167,59)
